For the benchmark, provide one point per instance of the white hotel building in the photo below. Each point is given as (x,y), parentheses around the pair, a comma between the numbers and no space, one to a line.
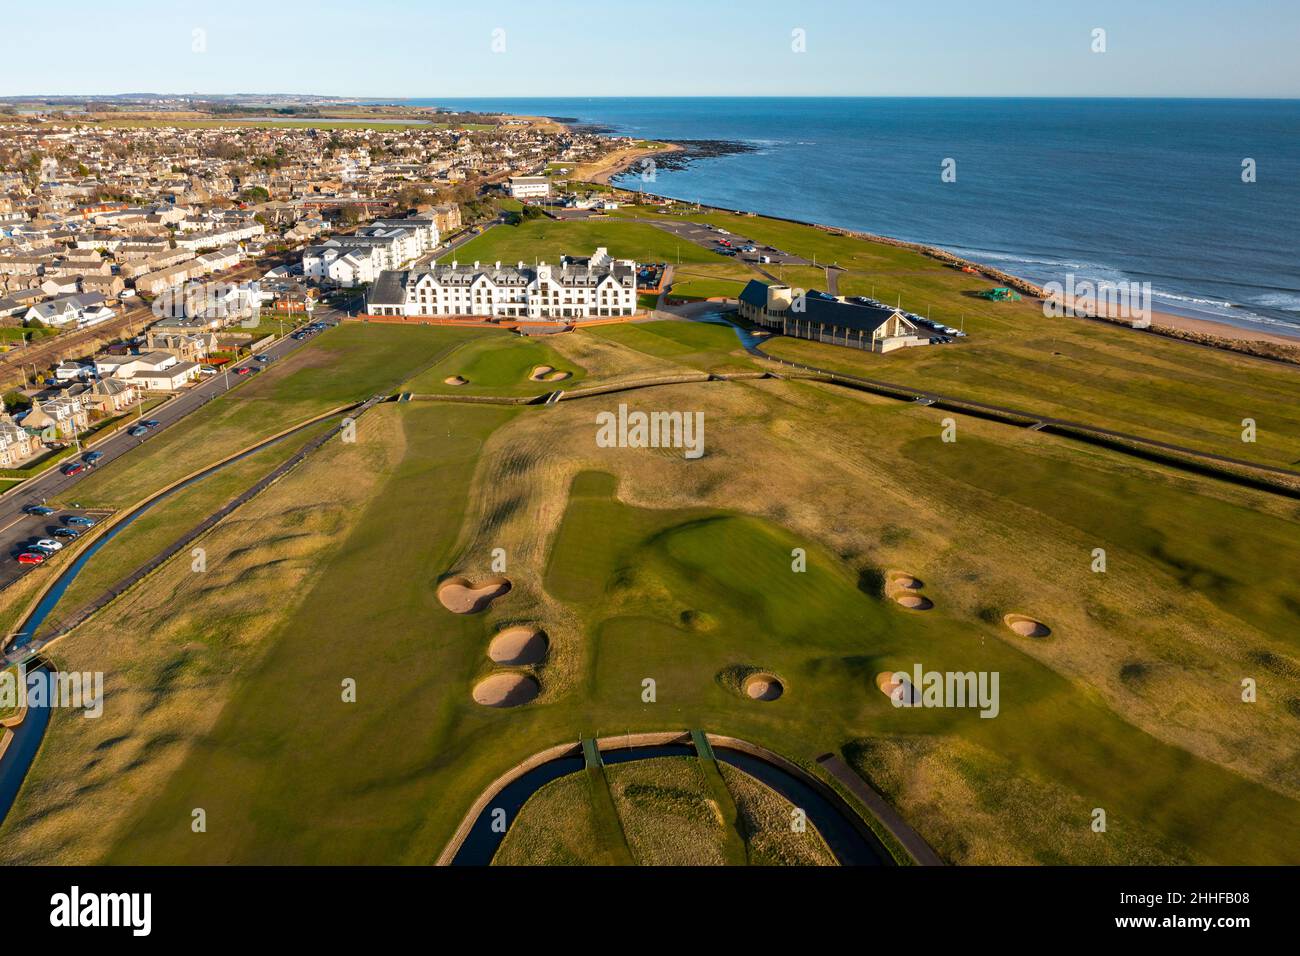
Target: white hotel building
(359,258)
(594,287)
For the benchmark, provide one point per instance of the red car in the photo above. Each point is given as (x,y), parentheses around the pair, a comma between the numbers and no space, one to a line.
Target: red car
(74,469)
(31,557)
(243,371)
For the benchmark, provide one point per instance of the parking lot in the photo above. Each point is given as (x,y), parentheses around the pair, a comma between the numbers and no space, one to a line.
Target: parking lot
(724,243)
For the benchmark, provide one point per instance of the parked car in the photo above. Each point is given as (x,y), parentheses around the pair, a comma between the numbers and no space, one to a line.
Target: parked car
(75,468)
(135,431)
(31,557)
(48,545)
(81,521)
(263,359)
(91,457)
(245,370)
(65,532)
(151,423)
(207,370)
(38,510)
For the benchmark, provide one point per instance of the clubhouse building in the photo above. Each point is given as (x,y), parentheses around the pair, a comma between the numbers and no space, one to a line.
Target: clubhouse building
(597,286)
(822,317)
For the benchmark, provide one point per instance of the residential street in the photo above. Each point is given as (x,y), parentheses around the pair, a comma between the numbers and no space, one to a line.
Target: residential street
(18,528)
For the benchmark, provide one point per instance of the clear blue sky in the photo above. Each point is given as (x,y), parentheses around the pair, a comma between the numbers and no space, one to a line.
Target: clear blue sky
(405,48)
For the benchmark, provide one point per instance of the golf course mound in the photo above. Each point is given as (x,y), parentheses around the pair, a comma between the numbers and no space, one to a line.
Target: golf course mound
(520,644)
(1026,626)
(505,690)
(547,373)
(905,581)
(455,380)
(460,595)
(913,602)
(763,687)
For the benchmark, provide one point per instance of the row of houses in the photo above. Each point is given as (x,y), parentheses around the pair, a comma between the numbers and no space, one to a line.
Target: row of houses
(359,258)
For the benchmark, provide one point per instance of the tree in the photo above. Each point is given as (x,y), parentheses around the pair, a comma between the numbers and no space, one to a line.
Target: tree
(16,400)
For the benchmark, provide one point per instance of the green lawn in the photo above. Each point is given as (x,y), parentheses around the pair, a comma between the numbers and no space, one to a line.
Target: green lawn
(700,345)
(498,363)
(547,240)
(1201,588)
(730,577)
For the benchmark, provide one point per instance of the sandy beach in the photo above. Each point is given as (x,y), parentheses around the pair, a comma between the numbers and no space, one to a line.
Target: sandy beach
(620,160)
(1223,330)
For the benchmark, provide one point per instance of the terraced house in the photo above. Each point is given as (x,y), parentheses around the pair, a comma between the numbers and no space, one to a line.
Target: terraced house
(577,288)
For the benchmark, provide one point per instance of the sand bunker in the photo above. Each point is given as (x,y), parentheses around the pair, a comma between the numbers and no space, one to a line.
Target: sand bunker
(463,596)
(522,644)
(763,687)
(908,582)
(1026,626)
(455,380)
(546,373)
(903,690)
(505,690)
(914,602)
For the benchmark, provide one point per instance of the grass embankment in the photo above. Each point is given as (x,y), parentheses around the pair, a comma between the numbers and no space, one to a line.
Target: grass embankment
(347,364)
(672,814)
(171,518)
(8,679)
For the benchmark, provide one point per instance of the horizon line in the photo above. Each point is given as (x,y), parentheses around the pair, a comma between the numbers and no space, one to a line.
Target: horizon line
(676,96)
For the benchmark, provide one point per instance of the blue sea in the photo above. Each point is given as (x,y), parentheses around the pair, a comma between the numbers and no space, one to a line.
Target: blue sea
(1107,189)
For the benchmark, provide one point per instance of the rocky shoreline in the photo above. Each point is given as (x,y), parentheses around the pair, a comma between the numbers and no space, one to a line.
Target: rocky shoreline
(691,150)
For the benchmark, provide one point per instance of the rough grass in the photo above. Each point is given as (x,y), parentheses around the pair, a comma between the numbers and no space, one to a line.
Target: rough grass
(174,651)
(168,520)
(976,807)
(668,815)
(767,819)
(555,827)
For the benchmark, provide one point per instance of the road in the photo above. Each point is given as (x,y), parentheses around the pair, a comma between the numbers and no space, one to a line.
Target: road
(18,528)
